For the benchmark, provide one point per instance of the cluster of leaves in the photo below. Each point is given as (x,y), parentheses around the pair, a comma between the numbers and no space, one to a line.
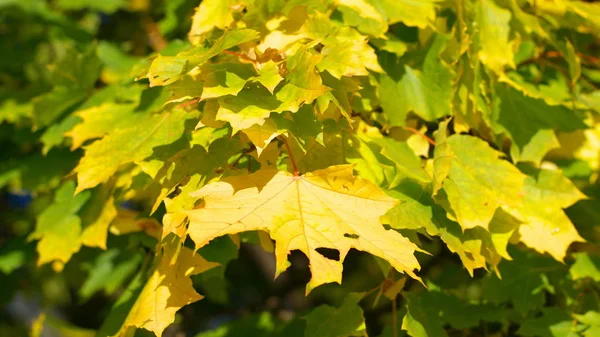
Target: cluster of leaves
(455,142)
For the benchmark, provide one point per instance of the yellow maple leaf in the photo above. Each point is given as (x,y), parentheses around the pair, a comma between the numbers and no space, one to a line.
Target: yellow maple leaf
(328,208)
(168,289)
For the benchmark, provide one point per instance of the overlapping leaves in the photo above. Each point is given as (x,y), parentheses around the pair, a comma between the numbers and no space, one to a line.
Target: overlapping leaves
(253,127)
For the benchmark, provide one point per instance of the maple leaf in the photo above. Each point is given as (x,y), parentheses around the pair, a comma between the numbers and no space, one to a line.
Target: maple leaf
(347,53)
(476,180)
(168,289)
(59,227)
(475,247)
(165,70)
(302,83)
(262,135)
(372,17)
(540,144)
(546,227)
(327,208)
(211,14)
(429,89)
(249,107)
(523,116)
(134,143)
(100,120)
(224,79)
(326,321)
(99,215)
(428,313)
(496,51)
(268,75)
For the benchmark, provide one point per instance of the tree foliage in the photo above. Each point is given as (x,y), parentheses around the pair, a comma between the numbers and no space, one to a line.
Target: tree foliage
(423,168)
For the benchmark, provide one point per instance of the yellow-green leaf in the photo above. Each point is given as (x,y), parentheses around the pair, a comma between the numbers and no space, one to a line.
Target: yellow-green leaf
(59,227)
(546,227)
(302,83)
(494,27)
(104,157)
(165,70)
(478,181)
(168,289)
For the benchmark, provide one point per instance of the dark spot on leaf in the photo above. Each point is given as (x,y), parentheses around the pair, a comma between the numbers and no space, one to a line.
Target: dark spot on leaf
(199,203)
(351,236)
(332,254)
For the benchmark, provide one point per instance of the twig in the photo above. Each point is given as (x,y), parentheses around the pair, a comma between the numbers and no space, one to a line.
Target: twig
(289,151)
(395,317)
(417,132)
(244,152)
(245,57)
(188,103)
(155,38)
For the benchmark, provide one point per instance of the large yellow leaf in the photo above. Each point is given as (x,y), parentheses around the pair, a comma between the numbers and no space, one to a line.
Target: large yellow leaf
(168,289)
(328,208)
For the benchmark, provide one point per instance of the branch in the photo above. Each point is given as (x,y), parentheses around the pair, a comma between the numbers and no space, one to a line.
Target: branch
(240,55)
(417,132)
(552,54)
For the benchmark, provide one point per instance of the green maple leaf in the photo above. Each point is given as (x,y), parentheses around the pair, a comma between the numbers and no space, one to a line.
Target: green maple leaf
(585,266)
(59,227)
(427,91)
(554,322)
(327,321)
(592,320)
(524,281)
(428,312)
(522,115)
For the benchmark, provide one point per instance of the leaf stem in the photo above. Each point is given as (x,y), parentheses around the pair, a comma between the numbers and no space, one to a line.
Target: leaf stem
(245,57)
(155,38)
(552,54)
(289,151)
(395,316)
(188,103)
(417,132)
(242,154)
